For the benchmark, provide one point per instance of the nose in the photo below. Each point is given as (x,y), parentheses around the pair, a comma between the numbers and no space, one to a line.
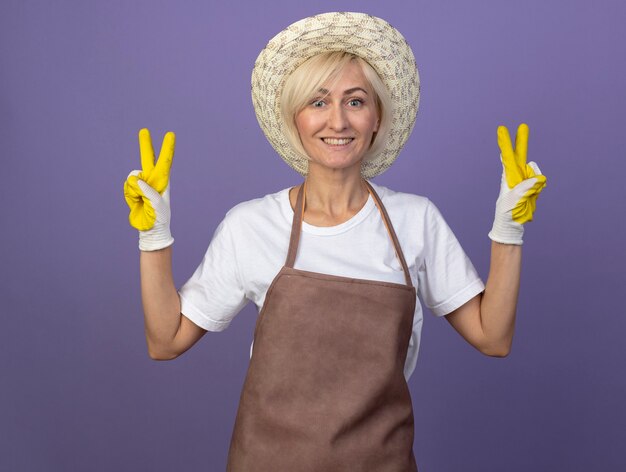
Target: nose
(337,119)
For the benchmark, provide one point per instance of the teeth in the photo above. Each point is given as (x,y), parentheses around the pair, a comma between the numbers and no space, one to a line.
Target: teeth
(335,141)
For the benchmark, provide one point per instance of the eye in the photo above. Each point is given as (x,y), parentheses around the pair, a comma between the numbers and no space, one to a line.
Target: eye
(317,103)
(355,102)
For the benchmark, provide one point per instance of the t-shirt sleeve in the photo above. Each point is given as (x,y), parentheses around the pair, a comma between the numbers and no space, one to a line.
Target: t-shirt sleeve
(446,276)
(214,294)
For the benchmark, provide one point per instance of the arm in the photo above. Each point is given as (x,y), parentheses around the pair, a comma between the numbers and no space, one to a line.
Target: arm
(168,332)
(487,321)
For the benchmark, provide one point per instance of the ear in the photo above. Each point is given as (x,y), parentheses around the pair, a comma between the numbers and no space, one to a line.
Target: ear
(377,125)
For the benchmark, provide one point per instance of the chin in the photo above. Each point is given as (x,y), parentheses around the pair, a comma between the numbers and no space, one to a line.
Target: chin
(336,165)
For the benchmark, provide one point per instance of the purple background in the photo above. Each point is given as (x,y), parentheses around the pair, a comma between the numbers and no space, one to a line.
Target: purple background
(78,79)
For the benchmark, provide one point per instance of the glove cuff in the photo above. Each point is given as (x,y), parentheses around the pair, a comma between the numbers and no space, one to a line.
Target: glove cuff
(506,232)
(159,237)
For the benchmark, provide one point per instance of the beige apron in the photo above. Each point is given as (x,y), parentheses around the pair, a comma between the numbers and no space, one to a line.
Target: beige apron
(325,389)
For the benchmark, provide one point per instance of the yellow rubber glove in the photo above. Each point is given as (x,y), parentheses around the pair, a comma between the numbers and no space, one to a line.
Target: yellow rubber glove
(147,193)
(520,186)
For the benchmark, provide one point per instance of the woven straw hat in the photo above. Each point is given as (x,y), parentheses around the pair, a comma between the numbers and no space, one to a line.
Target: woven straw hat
(366,36)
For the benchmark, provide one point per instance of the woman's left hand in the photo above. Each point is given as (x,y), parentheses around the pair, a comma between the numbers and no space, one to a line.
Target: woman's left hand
(519,188)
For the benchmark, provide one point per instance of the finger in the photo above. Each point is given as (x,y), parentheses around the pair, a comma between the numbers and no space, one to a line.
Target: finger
(525,206)
(523,212)
(541,180)
(541,183)
(521,145)
(133,173)
(535,168)
(142,215)
(512,171)
(524,188)
(530,187)
(166,155)
(146,150)
(131,189)
(147,191)
(534,171)
(132,194)
(504,142)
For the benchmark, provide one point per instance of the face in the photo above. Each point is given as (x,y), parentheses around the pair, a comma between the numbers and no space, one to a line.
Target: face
(337,126)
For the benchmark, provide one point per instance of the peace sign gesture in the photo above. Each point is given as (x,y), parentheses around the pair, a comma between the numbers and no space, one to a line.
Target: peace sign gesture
(520,186)
(147,193)
(157,176)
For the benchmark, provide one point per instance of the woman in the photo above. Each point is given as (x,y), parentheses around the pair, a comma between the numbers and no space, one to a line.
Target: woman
(336,337)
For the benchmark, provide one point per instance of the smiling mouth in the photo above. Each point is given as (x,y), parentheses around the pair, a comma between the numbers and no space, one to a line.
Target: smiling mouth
(337,141)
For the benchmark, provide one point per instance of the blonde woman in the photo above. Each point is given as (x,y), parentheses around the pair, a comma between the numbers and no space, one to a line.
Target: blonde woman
(336,264)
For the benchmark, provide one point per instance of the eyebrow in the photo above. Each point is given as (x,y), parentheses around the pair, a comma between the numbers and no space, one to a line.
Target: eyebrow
(324,91)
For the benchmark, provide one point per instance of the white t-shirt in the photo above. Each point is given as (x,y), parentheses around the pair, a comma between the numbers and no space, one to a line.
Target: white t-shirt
(250,246)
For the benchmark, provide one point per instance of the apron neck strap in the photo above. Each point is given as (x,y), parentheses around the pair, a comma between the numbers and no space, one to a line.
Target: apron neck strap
(392,233)
(296,227)
(298,216)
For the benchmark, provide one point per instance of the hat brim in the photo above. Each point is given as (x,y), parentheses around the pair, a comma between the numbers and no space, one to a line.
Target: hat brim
(366,36)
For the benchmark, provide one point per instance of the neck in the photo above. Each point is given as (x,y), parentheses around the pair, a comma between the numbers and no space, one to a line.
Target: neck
(334,194)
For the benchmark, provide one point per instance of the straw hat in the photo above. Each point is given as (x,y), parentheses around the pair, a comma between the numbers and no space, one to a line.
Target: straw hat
(371,38)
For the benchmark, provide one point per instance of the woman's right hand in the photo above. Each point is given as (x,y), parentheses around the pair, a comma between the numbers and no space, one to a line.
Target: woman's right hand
(520,185)
(147,193)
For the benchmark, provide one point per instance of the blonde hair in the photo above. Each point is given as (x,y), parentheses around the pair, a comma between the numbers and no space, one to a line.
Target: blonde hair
(305,82)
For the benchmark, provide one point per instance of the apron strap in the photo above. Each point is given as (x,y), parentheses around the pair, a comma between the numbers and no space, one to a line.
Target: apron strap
(296,228)
(392,233)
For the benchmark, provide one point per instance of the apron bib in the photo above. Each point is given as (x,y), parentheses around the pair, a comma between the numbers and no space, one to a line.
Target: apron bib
(325,389)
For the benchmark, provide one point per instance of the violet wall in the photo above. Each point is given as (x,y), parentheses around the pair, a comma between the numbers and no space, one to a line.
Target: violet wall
(78,79)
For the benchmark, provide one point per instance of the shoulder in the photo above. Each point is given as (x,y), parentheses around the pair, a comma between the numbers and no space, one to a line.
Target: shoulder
(262,210)
(405,202)
(258,230)
(267,203)
(415,214)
